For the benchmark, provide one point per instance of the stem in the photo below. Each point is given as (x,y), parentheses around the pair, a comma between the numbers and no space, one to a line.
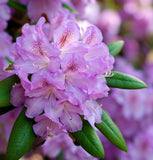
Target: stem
(17,6)
(69,8)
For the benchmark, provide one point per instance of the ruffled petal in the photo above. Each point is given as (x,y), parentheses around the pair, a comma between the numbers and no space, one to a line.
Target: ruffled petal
(71,121)
(34,106)
(93,36)
(66,34)
(92,112)
(16,92)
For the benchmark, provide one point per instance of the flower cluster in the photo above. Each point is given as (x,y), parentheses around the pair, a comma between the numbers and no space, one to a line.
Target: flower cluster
(61,79)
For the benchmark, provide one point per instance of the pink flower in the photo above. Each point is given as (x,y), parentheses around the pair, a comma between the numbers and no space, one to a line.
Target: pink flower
(68,115)
(64,78)
(33,52)
(46,126)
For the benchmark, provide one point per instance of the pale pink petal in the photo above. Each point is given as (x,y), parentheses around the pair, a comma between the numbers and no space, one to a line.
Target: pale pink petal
(16,92)
(57,79)
(98,51)
(71,121)
(34,106)
(66,34)
(46,127)
(100,88)
(75,95)
(52,110)
(54,64)
(77,47)
(92,112)
(40,128)
(73,62)
(93,36)
(5,12)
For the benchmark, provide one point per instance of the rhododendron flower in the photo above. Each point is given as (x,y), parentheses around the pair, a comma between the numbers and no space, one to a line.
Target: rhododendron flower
(46,127)
(62,79)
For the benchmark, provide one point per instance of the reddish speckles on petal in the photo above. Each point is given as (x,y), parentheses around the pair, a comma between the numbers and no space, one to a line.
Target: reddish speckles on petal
(72,67)
(64,39)
(37,48)
(93,36)
(66,34)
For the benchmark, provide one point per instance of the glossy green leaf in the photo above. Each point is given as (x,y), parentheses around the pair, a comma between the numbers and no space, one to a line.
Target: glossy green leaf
(89,140)
(5,89)
(4,110)
(111,131)
(125,81)
(21,138)
(115,47)
(69,8)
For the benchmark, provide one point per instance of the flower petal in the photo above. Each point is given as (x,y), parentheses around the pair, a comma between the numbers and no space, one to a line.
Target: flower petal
(34,106)
(93,36)
(66,34)
(71,121)
(16,92)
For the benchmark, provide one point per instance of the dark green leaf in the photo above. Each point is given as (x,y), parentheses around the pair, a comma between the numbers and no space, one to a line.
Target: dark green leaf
(89,140)
(4,110)
(125,81)
(60,156)
(17,6)
(21,138)
(115,47)
(69,8)
(111,131)
(5,89)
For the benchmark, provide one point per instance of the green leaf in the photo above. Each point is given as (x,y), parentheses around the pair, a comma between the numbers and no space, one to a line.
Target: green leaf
(69,8)
(125,81)
(5,89)
(17,6)
(115,47)
(9,60)
(21,138)
(89,140)
(4,110)
(60,156)
(111,131)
